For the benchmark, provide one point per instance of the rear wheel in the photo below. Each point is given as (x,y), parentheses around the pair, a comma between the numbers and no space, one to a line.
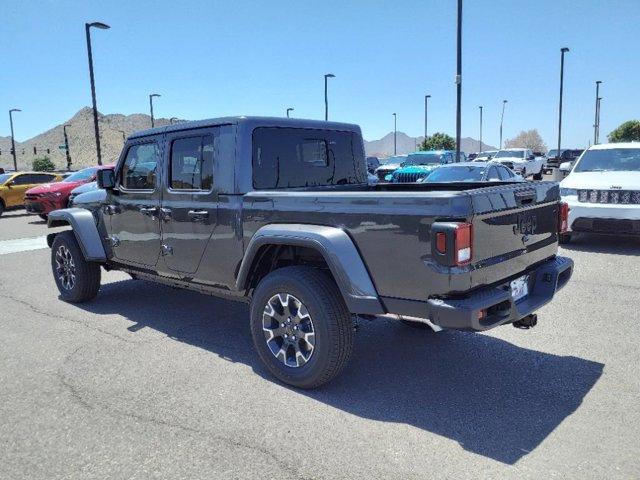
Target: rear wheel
(77,280)
(1,207)
(538,176)
(43,216)
(301,327)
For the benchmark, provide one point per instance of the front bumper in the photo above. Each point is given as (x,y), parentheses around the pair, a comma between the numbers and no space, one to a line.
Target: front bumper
(608,218)
(43,205)
(463,313)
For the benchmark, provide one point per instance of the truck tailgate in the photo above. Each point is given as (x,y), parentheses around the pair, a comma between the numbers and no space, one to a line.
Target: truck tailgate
(514,227)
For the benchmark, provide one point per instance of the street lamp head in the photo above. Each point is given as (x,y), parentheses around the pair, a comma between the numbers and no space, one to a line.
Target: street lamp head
(100,25)
(329,75)
(564,49)
(427,96)
(155,95)
(15,110)
(504,101)
(598,82)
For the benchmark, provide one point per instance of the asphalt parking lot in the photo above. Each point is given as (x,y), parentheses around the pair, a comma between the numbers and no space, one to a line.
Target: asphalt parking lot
(151,382)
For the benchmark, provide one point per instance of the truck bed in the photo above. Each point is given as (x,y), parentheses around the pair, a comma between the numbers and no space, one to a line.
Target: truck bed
(514,228)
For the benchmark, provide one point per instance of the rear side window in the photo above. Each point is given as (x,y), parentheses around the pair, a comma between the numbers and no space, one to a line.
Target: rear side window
(192,163)
(299,157)
(140,166)
(42,178)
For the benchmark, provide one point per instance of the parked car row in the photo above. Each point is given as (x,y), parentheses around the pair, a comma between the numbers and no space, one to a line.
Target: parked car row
(43,192)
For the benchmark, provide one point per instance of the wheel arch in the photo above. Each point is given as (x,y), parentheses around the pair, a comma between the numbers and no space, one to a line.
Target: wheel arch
(84,228)
(332,244)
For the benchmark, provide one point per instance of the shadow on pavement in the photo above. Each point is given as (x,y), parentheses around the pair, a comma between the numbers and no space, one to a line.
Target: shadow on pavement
(494,398)
(619,245)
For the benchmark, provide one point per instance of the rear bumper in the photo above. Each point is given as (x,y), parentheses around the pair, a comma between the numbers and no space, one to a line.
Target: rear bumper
(463,313)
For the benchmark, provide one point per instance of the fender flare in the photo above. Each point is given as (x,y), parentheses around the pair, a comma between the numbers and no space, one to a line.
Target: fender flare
(338,250)
(84,228)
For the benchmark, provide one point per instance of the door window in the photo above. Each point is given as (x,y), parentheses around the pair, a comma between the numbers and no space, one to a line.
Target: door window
(41,178)
(23,180)
(191,165)
(492,176)
(505,173)
(140,165)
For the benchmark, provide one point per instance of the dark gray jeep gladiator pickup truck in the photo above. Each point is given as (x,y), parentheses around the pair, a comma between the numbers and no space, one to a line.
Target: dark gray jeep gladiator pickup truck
(278,212)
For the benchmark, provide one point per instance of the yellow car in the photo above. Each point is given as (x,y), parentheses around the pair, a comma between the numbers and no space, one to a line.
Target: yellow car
(13,186)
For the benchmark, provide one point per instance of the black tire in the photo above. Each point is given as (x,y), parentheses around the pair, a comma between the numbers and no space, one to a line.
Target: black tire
(538,176)
(44,216)
(1,207)
(330,321)
(564,238)
(84,284)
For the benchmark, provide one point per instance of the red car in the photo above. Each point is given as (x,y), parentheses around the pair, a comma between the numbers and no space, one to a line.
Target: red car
(54,196)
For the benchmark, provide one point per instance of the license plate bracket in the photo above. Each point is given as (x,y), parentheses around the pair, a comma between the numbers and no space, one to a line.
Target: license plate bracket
(520,288)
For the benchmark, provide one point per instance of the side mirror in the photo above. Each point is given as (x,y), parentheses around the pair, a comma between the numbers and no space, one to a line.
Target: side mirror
(9,184)
(106,179)
(565,167)
(532,157)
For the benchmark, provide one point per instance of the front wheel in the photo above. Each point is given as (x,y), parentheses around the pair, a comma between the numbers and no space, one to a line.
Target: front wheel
(77,280)
(564,238)
(538,176)
(43,216)
(301,327)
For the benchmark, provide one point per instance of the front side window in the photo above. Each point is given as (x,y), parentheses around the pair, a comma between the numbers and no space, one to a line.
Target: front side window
(192,163)
(505,173)
(492,176)
(22,180)
(139,168)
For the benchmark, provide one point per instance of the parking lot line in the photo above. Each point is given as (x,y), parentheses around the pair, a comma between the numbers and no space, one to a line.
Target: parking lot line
(23,245)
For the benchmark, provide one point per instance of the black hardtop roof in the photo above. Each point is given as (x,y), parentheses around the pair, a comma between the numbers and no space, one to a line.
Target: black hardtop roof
(251,122)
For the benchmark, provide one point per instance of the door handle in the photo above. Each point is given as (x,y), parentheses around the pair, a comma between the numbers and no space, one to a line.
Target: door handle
(165,213)
(198,215)
(150,211)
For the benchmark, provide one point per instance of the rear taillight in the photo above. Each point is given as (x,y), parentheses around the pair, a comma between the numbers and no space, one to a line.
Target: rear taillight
(451,243)
(463,237)
(563,217)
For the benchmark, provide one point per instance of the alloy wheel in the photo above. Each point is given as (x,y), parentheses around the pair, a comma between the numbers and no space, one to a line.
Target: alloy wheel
(288,330)
(65,267)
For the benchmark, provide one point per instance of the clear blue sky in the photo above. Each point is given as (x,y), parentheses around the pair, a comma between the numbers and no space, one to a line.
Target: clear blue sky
(215,58)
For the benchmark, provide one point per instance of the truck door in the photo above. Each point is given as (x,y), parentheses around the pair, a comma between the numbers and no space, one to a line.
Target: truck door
(189,198)
(133,207)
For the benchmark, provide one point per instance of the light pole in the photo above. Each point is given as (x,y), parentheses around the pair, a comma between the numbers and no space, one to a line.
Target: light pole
(326,100)
(66,146)
(13,142)
(459,83)
(87,26)
(563,50)
(599,102)
(504,102)
(395,134)
(480,149)
(595,122)
(151,107)
(426,115)
(290,109)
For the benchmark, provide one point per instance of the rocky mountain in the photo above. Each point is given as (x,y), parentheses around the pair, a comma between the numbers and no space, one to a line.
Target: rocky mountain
(405,144)
(82,146)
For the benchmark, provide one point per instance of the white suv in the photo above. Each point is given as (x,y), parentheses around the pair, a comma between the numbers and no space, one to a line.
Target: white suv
(522,161)
(603,190)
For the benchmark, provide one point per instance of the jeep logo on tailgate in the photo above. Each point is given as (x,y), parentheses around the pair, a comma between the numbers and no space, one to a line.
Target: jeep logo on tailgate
(526,224)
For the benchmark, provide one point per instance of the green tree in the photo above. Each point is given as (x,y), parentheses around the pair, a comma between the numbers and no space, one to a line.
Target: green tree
(43,164)
(438,141)
(627,132)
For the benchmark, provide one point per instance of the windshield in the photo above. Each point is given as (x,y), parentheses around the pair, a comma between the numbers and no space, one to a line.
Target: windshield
(467,173)
(81,175)
(510,154)
(391,160)
(4,177)
(615,160)
(484,155)
(424,159)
